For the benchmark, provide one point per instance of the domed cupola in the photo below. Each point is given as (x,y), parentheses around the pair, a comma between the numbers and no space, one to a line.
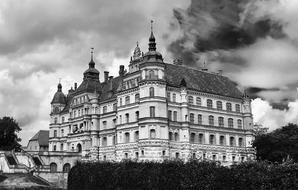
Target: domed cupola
(91,72)
(59,97)
(152,55)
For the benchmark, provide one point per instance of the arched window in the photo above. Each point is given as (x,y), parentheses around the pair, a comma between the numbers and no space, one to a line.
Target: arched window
(120,101)
(126,140)
(137,97)
(104,109)
(170,136)
(79,147)
(200,119)
(209,103)
(63,119)
(232,141)
(201,138)
(137,115)
(222,140)
(53,167)
(175,116)
(237,106)
(176,137)
(192,137)
(230,123)
(152,134)
(61,147)
(54,148)
(127,100)
(55,120)
(198,101)
(191,118)
(170,115)
(239,123)
(240,141)
(151,74)
(174,97)
(219,105)
(55,133)
(136,135)
(151,91)
(229,106)
(114,140)
(220,121)
(114,106)
(190,99)
(152,111)
(211,139)
(169,96)
(66,168)
(127,118)
(211,120)
(104,141)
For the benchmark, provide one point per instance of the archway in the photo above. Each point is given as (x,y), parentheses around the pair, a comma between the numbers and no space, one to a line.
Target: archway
(53,167)
(66,168)
(79,147)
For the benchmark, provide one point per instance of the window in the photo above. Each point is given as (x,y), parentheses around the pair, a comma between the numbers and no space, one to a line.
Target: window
(62,132)
(237,108)
(114,107)
(104,124)
(63,119)
(220,121)
(137,115)
(55,133)
(55,120)
(152,134)
(201,138)
(120,100)
(127,118)
(198,101)
(229,106)
(192,137)
(151,74)
(137,155)
(127,100)
(192,118)
(211,120)
(175,116)
(176,137)
(211,139)
(136,135)
(230,123)
(120,119)
(239,123)
(190,99)
(219,105)
(137,97)
(66,168)
(200,119)
(151,91)
(169,96)
(170,115)
(126,139)
(209,103)
(240,142)
(126,155)
(174,97)
(232,141)
(104,109)
(170,136)
(54,148)
(113,140)
(104,141)
(222,140)
(53,167)
(152,111)
(177,155)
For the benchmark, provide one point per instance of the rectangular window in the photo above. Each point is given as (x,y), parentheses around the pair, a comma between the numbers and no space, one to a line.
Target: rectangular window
(152,111)
(192,118)
(170,115)
(221,122)
(237,108)
(55,133)
(104,124)
(175,116)
(200,119)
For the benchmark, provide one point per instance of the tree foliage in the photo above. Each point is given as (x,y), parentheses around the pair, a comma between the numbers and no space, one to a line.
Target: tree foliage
(8,134)
(278,146)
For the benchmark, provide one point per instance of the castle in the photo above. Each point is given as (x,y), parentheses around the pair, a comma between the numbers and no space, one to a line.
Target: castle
(153,111)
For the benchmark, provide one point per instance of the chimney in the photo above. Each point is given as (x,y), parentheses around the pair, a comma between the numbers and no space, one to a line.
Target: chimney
(75,86)
(106,75)
(111,78)
(121,70)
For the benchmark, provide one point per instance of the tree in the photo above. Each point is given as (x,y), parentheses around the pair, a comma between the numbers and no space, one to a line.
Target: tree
(8,137)
(278,146)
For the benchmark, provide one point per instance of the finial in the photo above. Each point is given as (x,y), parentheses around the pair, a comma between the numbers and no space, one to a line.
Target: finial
(137,44)
(152,44)
(151,25)
(59,80)
(92,53)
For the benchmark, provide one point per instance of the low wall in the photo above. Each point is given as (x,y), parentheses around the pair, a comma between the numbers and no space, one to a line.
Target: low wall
(57,179)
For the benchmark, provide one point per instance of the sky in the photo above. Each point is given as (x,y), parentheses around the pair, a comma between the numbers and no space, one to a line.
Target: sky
(254,42)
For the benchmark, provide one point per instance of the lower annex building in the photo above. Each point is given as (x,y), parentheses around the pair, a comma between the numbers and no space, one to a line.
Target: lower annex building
(153,111)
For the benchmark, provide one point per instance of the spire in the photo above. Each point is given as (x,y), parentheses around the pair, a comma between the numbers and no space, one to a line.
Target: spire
(137,53)
(59,86)
(91,63)
(152,44)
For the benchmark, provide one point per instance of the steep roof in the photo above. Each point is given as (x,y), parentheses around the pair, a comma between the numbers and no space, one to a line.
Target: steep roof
(201,81)
(109,89)
(42,137)
(88,85)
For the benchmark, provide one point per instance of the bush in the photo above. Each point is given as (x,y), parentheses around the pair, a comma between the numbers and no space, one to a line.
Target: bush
(178,175)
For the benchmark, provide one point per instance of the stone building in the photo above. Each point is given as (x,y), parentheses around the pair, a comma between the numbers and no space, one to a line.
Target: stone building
(153,111)
(39,142)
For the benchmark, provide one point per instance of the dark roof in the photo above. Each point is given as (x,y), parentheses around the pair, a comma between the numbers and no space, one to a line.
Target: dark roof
(88,85)
(42,137)
(109,89)
(201,81)
(59,97)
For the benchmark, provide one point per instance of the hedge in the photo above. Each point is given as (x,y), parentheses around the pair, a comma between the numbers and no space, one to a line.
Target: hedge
(178,175)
